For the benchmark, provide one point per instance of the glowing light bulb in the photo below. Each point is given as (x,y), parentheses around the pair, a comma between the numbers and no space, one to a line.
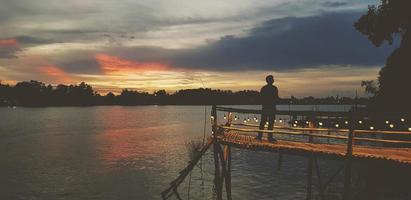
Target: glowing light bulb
(409,129)
(387,122)
(320,123)
(235,118)
(307,122)
(360,122)
(256,120)
(295,125)
(225,117)
(212,117)
(402,119)
(266,123)
(245,120)
(371,127)
(337,125)
(391,125)
(346,122)
(281,121)
(274,120)
(248,119)
(296,122)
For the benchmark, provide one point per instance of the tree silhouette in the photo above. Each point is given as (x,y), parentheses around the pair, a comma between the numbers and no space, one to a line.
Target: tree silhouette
(385,23)
(35,93)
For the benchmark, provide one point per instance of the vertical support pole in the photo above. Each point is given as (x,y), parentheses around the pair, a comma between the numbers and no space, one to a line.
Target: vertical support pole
(310,166)
(348,161)
(214,118)
(229,118)
(227,158)
(217,164)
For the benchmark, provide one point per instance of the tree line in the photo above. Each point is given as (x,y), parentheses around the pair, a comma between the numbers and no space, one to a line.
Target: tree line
(35,93)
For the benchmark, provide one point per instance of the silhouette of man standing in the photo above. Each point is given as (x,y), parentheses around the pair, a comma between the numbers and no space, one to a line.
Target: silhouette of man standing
(269,96)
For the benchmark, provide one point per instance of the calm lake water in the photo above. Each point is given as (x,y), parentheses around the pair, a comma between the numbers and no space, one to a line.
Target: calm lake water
(115,152)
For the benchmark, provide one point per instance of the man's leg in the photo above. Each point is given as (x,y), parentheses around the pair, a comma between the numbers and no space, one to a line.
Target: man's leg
(271,118)
(262,124)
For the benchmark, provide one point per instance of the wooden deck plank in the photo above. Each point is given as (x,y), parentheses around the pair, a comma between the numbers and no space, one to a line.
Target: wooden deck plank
(397,155)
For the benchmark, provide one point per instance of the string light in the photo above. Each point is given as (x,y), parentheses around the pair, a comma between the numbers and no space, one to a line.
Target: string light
(245,120)
(387,122)
(274,120)
(307,122)
(409,129)
(346,122)
(371,127)
(225,117)
(295,125)
(320,123)
(266,123)
(337,125)
(248,119)
(402,119)
(235,118)
(212,117)
(360,122)
(281,121)
(296,121)
(391,125)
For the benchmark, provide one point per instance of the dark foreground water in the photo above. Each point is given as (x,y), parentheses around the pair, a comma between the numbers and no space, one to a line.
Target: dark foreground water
(126,153)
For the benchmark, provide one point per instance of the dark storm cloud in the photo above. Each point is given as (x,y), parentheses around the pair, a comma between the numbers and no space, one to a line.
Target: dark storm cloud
(335,3)
(289,43)
(9,51)
(280,44)
(17,44)
(28,40)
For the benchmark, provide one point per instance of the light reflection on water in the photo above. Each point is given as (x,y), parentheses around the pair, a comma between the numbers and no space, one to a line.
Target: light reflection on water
(128,153)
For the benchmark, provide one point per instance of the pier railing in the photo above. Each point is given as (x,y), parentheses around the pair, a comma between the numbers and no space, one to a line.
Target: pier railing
(346,139)
(349,134)
(309,129)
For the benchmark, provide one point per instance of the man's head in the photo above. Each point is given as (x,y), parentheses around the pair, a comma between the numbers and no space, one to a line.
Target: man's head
(269,79)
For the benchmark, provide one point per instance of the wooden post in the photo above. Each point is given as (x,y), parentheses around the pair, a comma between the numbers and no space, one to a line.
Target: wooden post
(227,158)
(310,167)
(217,164)
(348,161)
(214,118)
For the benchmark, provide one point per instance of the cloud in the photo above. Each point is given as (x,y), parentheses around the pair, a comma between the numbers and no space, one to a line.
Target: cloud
(56,74)
(115,65)
(8,48)
(284,44)
(290,43)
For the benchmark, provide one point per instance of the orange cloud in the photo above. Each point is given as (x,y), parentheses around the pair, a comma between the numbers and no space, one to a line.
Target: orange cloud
(56,73)
(9,42)
(115,65)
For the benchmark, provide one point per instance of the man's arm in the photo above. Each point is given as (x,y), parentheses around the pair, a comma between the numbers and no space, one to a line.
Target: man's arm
(276,93)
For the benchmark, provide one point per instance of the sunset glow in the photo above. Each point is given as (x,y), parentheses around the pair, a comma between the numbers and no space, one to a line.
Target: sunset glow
(117,66)
(57,74)
(8,42)
(210,44)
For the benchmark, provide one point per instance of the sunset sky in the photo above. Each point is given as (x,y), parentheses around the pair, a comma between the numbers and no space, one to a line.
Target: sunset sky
(310,46)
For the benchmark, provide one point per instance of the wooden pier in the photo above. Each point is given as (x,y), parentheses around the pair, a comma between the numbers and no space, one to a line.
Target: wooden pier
(349,145)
